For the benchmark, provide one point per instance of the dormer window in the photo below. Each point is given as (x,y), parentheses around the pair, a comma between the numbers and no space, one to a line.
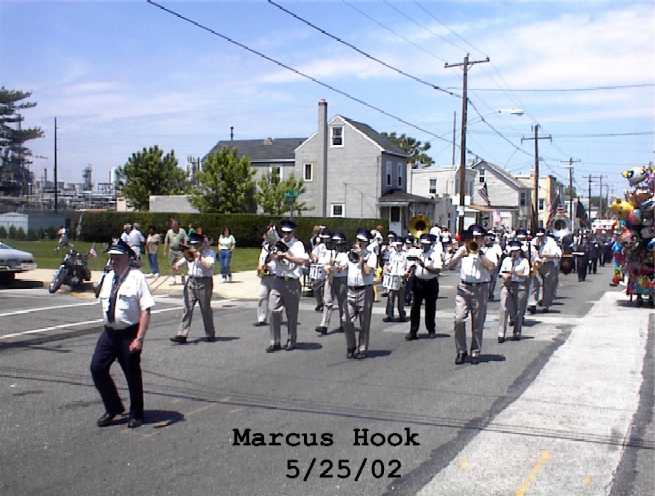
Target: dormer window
(337,135)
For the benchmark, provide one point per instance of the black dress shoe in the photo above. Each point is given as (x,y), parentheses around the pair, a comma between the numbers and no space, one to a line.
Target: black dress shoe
(134,422)
(432,334)
(361,355)
(532,309)
(107,419)
(319,308)
(339,329)
(178,339)
(351,353)
(290,346)
(260,324)
(410,337)
(475,358)
(321,330)
(402,318)
(460,358)
(273,347)
(546,310)
(516,337)
(388,319)
(210,339)
(501,339)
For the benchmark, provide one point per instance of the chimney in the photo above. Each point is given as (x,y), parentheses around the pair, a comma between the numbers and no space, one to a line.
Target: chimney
(322,152)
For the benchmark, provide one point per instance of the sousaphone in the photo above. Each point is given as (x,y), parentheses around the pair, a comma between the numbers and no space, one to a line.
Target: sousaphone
(419,224)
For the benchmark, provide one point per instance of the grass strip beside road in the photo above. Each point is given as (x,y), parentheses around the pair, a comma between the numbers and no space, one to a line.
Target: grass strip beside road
(47,258)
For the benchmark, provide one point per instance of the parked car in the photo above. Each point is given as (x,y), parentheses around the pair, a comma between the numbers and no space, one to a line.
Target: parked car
(13,261)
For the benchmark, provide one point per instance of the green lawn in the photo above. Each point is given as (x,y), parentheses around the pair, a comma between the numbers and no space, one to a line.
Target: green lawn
(46,257)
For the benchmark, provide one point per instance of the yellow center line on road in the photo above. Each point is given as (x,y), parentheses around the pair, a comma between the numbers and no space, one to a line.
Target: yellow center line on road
(532,475)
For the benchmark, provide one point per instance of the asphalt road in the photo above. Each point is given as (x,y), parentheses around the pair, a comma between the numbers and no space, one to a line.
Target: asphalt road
(198,394)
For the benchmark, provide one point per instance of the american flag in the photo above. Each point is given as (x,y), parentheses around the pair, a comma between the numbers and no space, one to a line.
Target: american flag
(553,210)
(484,194)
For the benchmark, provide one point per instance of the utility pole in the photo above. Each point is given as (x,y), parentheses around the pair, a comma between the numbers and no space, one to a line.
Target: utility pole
(454,136)
(600,198)
(56,188)
(535,184)
(462,156)
(590,178)
(231,133)
(570,161)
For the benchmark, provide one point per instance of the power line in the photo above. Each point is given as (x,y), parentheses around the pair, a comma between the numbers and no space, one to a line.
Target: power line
(362,52)
(607,135)
(396,34)
(567,90)
(300,73)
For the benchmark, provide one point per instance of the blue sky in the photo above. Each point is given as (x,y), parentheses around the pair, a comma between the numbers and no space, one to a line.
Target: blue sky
(123,75)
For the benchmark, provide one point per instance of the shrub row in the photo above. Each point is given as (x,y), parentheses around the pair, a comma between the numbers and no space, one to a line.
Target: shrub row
(246,228)
(31,235)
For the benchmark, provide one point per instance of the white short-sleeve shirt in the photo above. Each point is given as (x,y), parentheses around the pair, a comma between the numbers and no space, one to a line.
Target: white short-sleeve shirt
(355,275)
(133,297)
(290,269)
(197,269)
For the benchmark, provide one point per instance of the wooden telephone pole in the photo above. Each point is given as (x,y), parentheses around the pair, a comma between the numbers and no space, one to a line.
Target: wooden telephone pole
(570,161)
(462,156)
(535,185)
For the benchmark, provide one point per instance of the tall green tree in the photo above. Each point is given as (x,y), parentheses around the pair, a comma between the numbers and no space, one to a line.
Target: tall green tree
(412,147)
(150,172)
(14,154)
(272,197)
(225,183)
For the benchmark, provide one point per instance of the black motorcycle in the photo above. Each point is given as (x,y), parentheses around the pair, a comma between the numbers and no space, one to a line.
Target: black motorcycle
(73,271)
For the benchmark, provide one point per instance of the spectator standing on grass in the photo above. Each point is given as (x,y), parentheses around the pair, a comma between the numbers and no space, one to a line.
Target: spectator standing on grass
(135,239)
(62,238)
(152,248)
(226,244)
(175,237)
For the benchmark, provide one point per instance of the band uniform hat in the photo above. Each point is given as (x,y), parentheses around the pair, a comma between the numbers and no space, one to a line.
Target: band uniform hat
(392,234)
(338,237)
(513,246)
(476,230)
(325,234)
(195,238)
(409,240)
(521,232)
(541,232)
(427,239)
(120,247)
(363,234)
(287,225)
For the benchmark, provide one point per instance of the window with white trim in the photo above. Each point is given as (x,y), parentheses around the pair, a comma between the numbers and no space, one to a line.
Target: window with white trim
(541,203)
(524,199)
(308,173)
(400,174)
(276,172)
(433,186)
(337,135)
(387,173)
(337,210)
(481,174)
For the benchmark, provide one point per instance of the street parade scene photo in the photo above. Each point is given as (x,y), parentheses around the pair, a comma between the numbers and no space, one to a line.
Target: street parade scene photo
(327,247)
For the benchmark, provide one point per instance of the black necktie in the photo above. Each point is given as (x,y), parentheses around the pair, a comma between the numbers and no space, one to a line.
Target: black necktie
(116,284)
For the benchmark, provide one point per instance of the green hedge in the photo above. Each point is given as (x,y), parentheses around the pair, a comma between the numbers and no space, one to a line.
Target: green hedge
(246,228)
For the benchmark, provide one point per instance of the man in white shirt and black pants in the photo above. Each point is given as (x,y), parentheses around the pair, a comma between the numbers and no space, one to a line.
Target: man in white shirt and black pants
(475,269)
(286,266)
(126,302)
(361,275)
(199,287)
(336,287)
(425,286)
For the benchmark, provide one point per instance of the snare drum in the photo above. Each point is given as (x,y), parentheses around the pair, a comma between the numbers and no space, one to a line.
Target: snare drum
(316,272)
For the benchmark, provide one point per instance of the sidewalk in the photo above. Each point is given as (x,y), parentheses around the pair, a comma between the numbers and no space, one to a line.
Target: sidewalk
(244,285)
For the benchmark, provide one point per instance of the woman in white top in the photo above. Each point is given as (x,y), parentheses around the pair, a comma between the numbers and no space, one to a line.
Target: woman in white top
(226,244)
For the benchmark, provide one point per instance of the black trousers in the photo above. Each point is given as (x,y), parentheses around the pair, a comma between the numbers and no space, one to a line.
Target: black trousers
(409,290)
(115,345)
(593,264)
(581,267)
(427,290)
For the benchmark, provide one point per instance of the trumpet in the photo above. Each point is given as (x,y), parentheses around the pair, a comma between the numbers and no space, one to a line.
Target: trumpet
(189,252)
(472,246)
(354,256)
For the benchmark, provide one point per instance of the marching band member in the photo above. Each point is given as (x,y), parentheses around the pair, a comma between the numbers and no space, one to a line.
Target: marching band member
(321,256)
(531,252)
(514,272)
(336,284)
(361,274)
(493,245)
(286,266)
(475,269)
(425,275)
(126,302)
(396,268)
(265,275)
(199,287)
(409,245)
(548,253)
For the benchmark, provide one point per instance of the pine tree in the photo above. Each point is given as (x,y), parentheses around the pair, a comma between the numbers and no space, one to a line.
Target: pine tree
(14,155)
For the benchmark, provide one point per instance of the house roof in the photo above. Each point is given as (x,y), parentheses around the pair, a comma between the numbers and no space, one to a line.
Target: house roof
(385,143)
(263,150)
(511,180)
(398,196)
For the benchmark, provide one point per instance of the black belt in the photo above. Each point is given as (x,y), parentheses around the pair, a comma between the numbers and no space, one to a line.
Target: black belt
(473,283)
(358,288)
(287,278)
(131,328)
